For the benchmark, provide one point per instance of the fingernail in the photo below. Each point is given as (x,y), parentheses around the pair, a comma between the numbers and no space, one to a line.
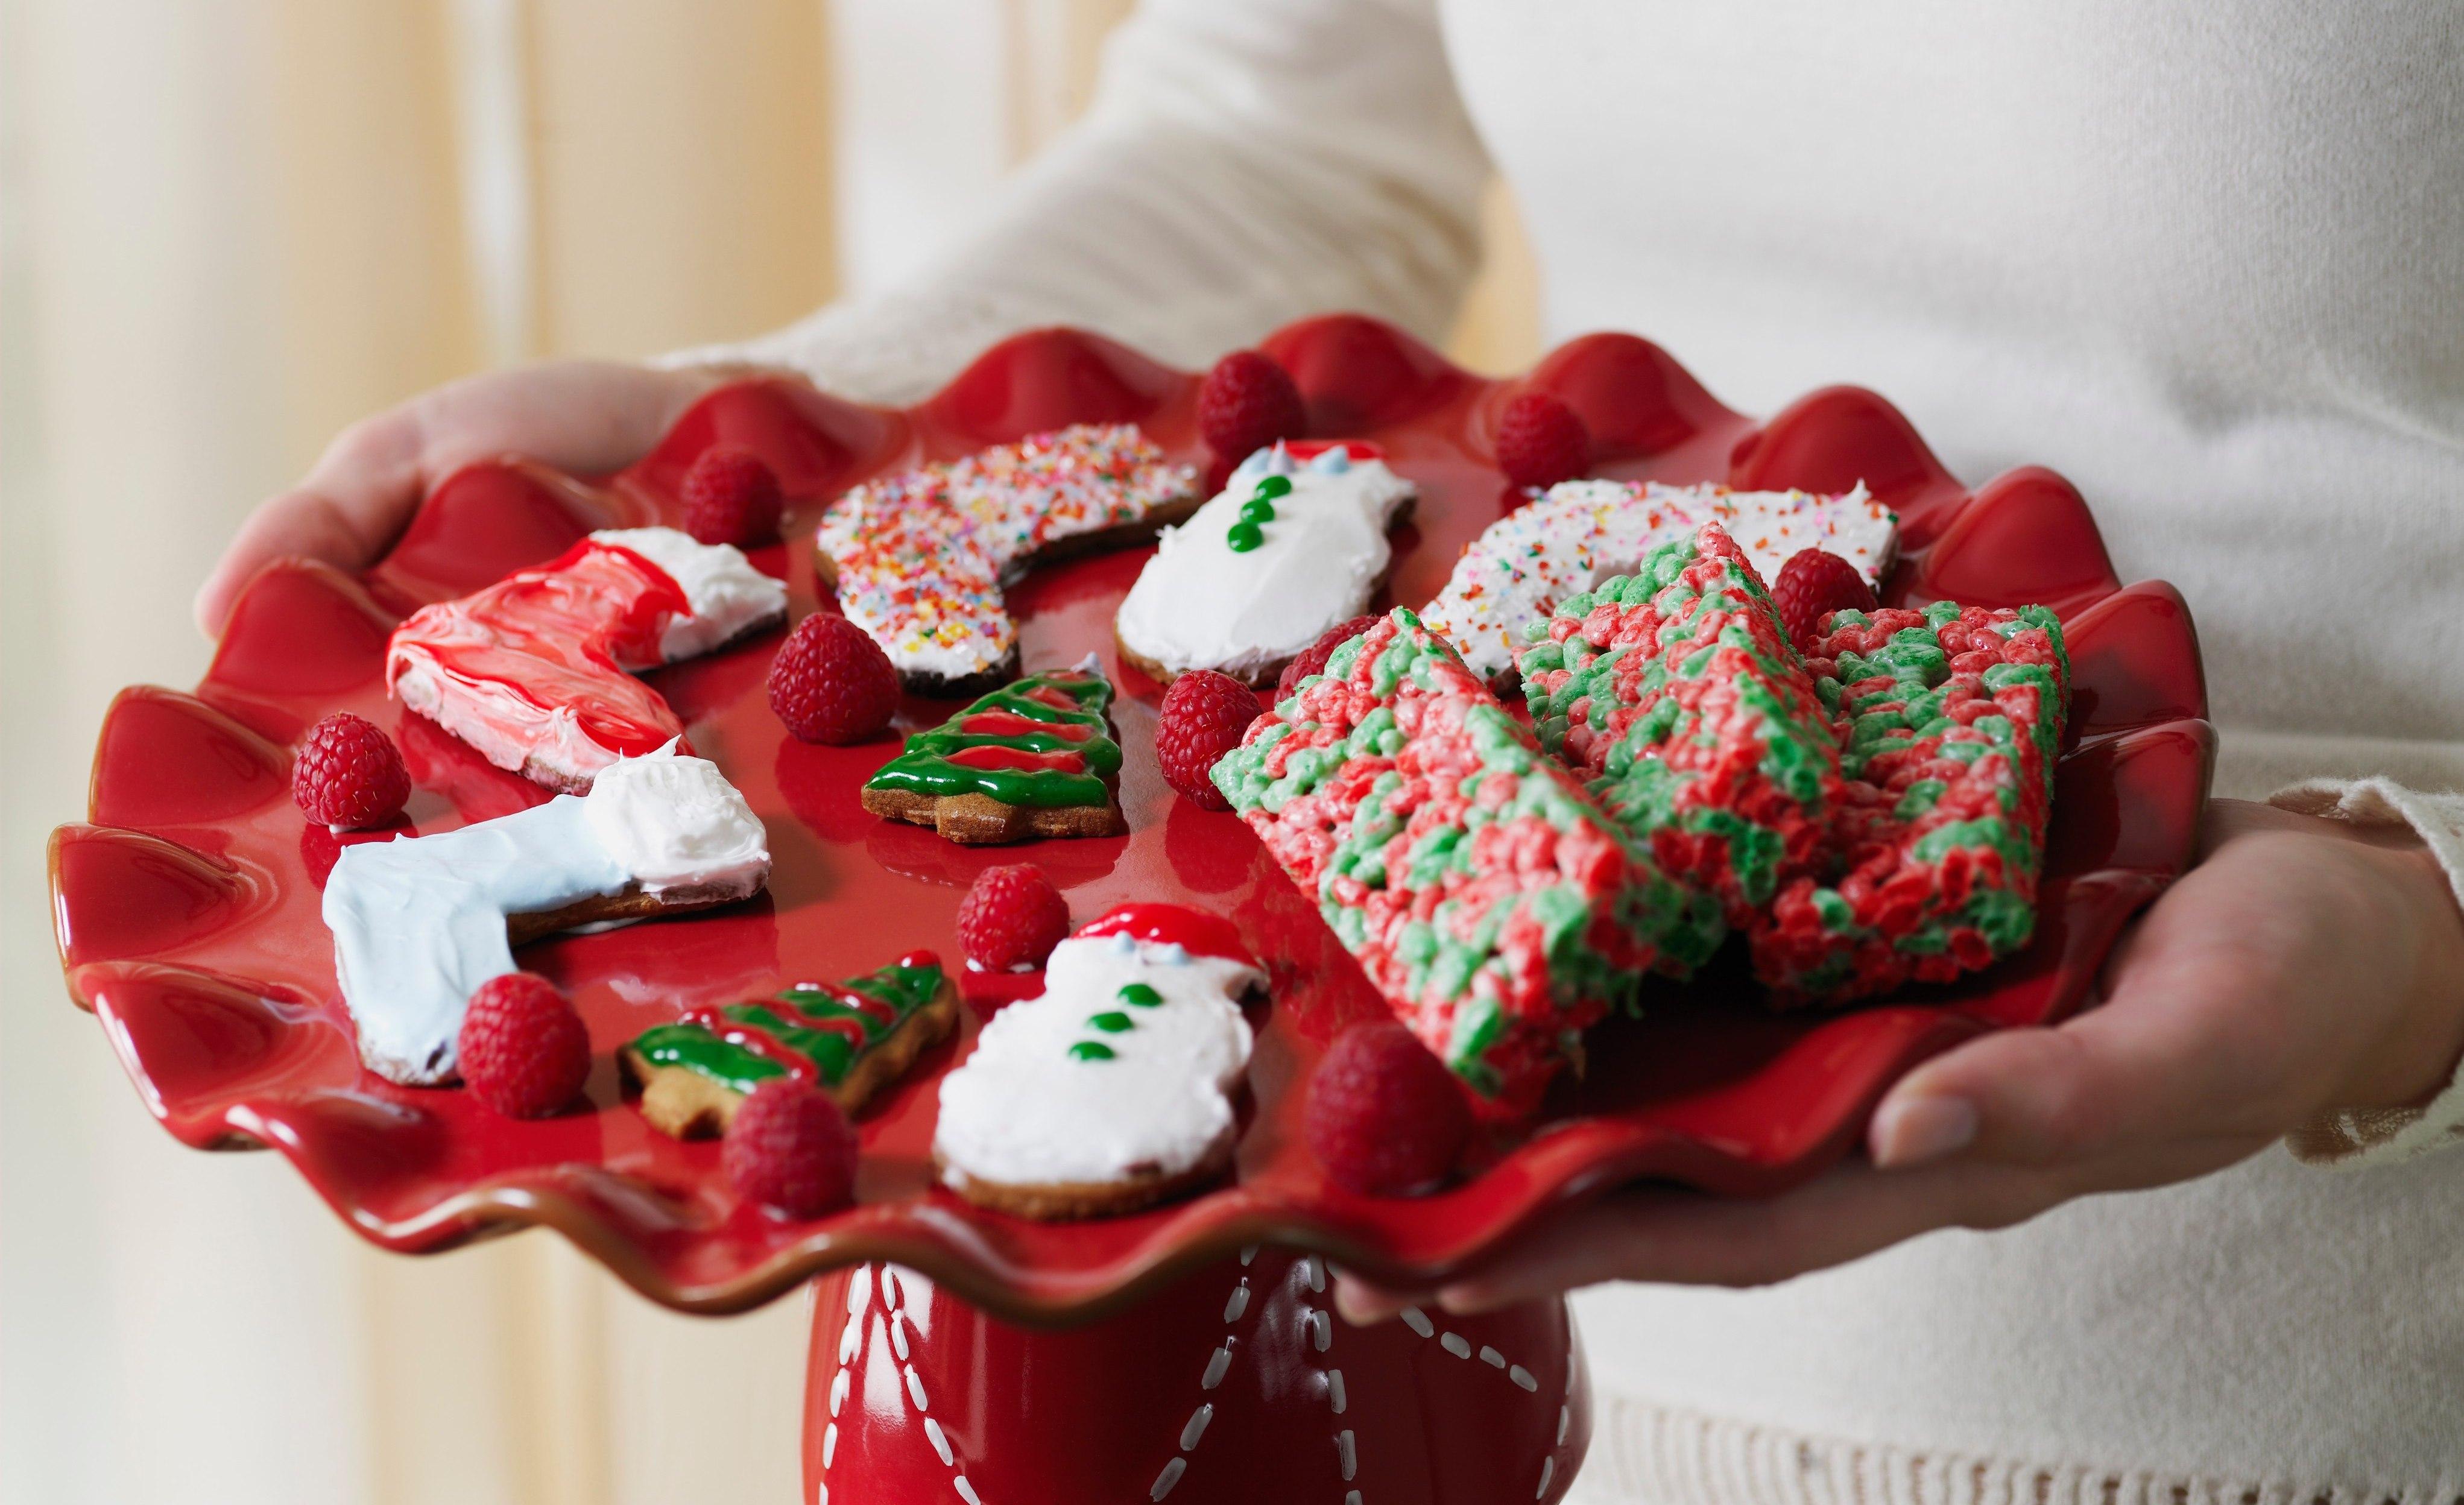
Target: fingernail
(1922,1130)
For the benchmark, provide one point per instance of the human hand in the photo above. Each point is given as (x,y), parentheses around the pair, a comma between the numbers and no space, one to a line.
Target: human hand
(579,415)
(2304,965)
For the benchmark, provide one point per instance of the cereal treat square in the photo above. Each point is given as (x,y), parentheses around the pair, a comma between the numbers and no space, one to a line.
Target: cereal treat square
(1954,720)
(1675,695)
(1490,899)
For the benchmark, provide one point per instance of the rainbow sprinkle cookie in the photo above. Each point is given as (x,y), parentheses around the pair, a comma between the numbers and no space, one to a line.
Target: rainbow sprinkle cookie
(852,1039)
(1036,757)
(1580,533)
(1674,693)
(918,559)
(1494,903)
(1954,720)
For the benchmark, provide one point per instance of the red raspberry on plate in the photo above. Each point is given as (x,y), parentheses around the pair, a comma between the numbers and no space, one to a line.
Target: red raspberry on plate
(1203,716)
(1313,659)
(791,1149)
(732,497)
(831,683)
(1247,403)
(1811,585)
(1011,919)
(1384,1117)
(348,774)
(1541,441)
(525,1051)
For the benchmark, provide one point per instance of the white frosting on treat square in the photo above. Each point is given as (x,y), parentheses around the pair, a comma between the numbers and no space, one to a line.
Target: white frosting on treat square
(1580,533)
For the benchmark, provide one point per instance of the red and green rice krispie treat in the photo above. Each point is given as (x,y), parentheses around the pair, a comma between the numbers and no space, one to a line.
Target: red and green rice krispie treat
(1493,903)
(1954,720)
(1675,695)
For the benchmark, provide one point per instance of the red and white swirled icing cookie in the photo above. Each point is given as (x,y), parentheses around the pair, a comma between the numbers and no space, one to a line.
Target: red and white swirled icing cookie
(919,558)
(536,671)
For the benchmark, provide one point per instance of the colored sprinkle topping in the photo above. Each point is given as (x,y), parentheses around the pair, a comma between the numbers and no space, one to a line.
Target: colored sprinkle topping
(920,557)
(1091,1050)
(1244,536)
(1112,1021)
(1139,994)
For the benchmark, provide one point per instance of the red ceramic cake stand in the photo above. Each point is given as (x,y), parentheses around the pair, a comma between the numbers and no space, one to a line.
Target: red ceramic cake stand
(188,917)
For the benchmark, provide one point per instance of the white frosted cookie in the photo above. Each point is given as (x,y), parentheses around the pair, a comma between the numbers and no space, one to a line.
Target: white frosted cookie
(1112,1089)
(1580,533)
(1292,545)
(418,922)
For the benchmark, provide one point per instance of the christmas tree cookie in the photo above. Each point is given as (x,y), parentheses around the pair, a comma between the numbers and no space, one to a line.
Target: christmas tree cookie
(1036,757)
(850,1039)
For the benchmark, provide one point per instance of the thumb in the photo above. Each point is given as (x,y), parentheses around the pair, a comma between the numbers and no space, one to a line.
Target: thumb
(2180,1051)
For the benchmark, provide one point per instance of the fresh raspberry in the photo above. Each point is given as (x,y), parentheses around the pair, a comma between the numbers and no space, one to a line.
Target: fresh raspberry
(525,1051)
(1384,1117)
(732,497)
(1203,716)
(831,683)
(348,776)
(1313,659)
(1541,441)
(1811,585)
(1011,919)
(1247,403)
(791,1149)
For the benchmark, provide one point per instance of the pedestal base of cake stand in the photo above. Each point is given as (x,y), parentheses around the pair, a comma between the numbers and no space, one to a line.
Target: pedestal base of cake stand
(1235,1385)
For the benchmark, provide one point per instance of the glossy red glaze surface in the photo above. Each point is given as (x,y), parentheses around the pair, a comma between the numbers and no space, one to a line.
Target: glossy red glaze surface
(1235,1385)
(188,911)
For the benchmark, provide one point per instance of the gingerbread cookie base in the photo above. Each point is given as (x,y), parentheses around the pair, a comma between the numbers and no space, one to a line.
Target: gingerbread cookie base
(623,907)
(981,820)
(686,1105)
(1063,1201)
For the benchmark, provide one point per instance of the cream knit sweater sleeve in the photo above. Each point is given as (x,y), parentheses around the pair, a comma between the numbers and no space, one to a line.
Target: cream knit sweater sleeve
(1241,166)
(2358,1137)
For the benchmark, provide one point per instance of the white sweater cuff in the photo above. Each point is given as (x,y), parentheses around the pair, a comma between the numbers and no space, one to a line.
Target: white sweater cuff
(2358,1137)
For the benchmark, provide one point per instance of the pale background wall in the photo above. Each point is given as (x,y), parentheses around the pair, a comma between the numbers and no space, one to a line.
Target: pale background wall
(226,229)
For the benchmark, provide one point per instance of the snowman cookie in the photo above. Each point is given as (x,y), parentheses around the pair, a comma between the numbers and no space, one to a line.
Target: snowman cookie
(1293,544)
(1112,1090)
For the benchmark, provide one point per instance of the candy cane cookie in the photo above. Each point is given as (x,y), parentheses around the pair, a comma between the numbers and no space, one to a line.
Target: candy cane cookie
(536,671)
(1034,758)
(1293,544)
(418,922)
(1497,907)
(1112,1089)
(851,1039)
(918,558)
(1580,533)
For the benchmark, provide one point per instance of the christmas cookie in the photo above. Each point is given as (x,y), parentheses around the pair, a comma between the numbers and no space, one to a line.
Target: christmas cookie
(536,670)
(1294,543)
(1675,695)
(1033,758)
(1495,903)
(1112,1090)
(848,1039)
(918,559)
(418,922)
(1583,532)
(1954,718)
